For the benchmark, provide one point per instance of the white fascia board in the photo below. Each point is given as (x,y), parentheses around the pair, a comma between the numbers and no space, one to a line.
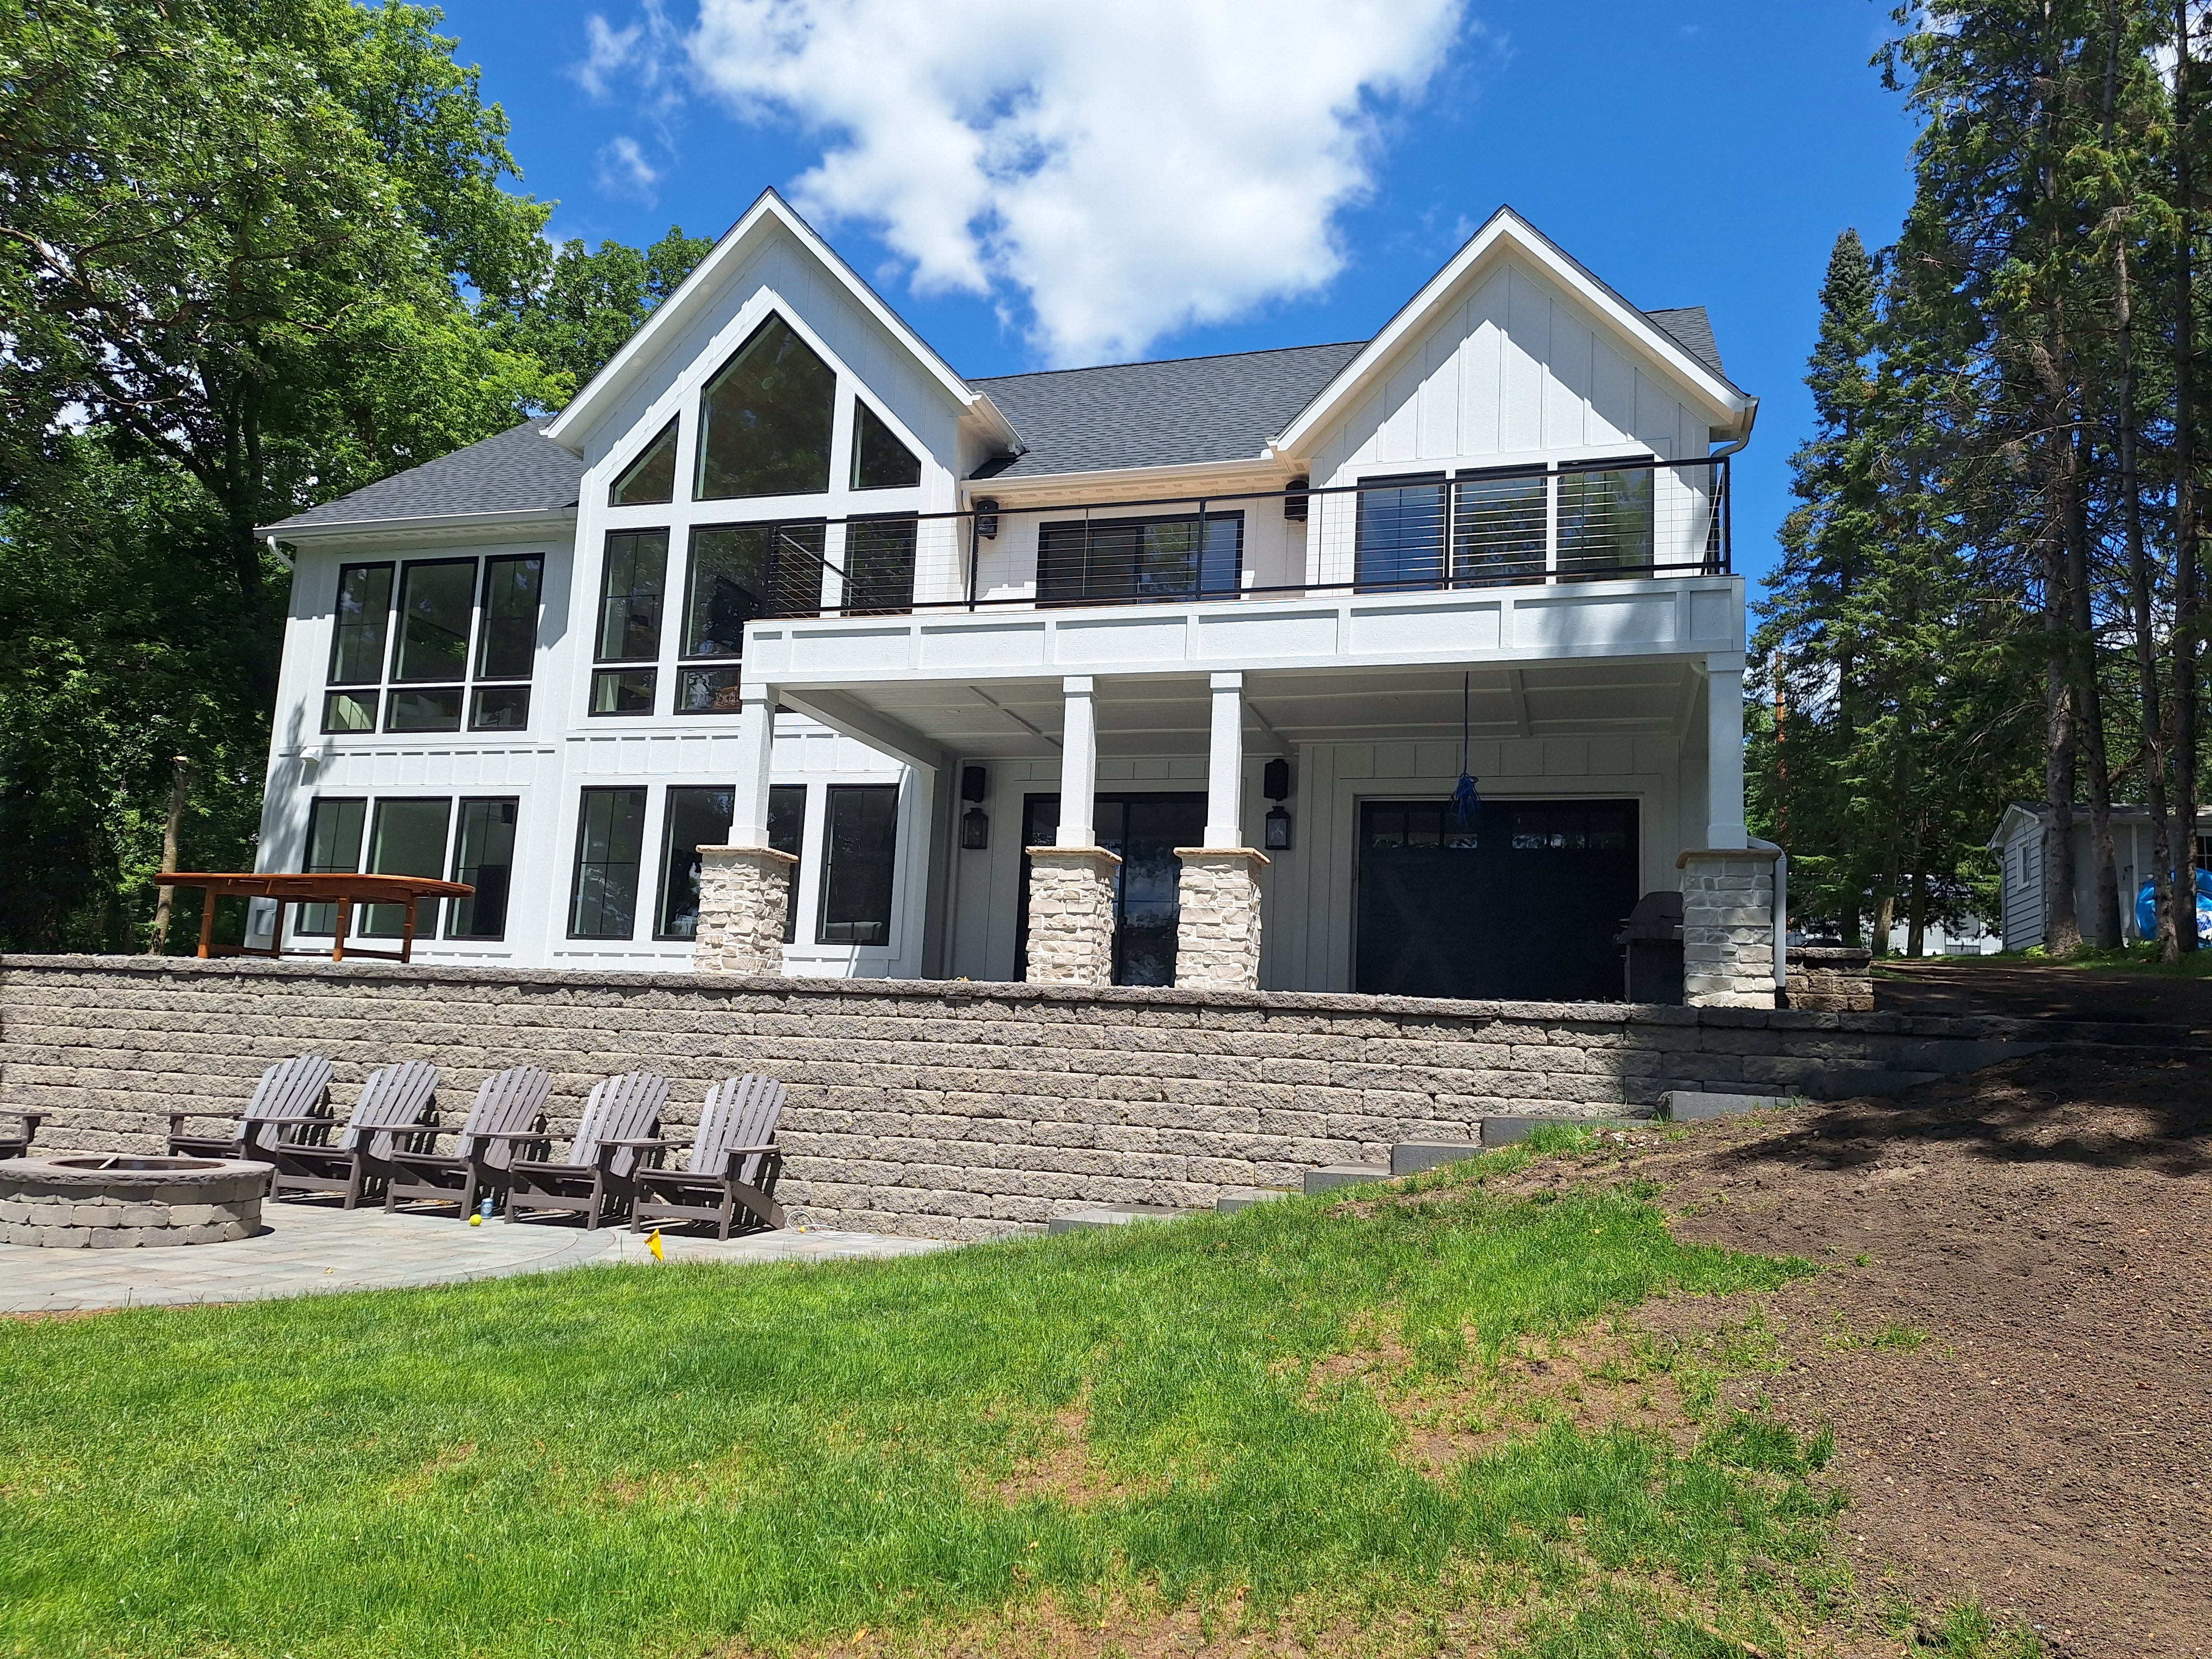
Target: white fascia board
(1260,475)
(526,519)
(607,388)
(1508,227)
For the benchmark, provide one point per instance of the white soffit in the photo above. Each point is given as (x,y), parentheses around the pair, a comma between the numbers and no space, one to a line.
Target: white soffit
(768,214)
(1507,229)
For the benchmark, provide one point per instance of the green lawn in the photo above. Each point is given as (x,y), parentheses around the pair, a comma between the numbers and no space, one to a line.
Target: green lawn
(682,1460)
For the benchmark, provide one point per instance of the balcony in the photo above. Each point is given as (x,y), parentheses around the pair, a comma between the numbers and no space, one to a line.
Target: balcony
(1416,533)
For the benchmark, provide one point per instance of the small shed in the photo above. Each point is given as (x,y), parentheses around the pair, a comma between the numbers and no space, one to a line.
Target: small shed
(2018,845)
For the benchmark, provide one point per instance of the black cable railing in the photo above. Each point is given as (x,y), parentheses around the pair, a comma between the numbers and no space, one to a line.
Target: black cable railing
(1584,521)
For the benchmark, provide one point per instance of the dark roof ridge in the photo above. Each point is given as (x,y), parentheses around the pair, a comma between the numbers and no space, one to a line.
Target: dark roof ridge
(1153,362)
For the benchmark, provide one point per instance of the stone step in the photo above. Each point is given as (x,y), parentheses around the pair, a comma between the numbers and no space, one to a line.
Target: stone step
(1413,1156)
(1092,1215)
(1329,1179)
(1244,1198)
(1692,1106)
(1511,1131)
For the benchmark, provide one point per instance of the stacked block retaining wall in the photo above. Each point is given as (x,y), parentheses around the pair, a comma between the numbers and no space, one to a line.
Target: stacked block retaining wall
(947,1109)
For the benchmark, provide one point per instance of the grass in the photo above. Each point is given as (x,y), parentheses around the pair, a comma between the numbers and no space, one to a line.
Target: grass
(698,1458)
(2138,958)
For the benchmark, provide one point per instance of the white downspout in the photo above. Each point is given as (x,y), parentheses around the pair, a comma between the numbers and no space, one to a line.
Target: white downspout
(1781,911)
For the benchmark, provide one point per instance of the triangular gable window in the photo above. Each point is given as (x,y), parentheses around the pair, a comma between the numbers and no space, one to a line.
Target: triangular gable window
(765,420)
(651,478)
(880,460)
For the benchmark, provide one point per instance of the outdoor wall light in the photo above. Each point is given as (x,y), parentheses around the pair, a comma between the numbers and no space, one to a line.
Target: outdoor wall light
(1295,498)
(1275,785)
(986,518)
(975,823)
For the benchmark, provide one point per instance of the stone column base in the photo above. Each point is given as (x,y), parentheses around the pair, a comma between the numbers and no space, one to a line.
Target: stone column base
(1071,939)
(1727,927)
(1218,924)
(745,893)
(1832,979)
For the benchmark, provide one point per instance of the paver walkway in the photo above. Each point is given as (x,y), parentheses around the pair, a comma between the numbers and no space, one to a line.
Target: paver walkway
(308,1248)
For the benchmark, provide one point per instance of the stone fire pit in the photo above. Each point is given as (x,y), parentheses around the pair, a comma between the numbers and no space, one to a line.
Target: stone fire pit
(119,1200)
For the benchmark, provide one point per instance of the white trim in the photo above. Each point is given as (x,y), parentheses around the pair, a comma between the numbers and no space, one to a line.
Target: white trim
(1507,228)
(605,390)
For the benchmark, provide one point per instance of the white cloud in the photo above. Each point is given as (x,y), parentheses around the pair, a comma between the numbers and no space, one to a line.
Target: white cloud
(623,171)
(1131,169)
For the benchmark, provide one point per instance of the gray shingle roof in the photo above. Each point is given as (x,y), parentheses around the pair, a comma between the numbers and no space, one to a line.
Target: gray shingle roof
(515,472)
(1167,414)
(1692,330)
(1184,411)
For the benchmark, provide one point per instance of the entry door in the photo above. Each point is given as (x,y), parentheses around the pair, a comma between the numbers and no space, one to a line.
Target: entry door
(1144,829)
(1522,905)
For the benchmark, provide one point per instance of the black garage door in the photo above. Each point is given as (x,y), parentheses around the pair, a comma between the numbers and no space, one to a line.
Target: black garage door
(1522,904)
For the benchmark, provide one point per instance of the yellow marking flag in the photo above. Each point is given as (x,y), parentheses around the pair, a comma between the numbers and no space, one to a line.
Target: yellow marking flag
(652,1243)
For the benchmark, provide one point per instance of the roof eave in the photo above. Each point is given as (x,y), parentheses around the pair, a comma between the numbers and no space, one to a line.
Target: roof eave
(614,378)
(1165,475)
(525,516)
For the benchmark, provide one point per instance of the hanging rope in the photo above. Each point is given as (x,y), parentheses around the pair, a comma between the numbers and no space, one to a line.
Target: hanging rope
(1466,801)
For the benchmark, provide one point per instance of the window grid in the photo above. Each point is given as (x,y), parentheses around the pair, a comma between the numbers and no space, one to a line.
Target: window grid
(405,636)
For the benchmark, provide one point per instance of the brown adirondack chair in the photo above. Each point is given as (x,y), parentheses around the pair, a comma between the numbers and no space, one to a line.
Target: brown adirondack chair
(509,1102)
(291,1093)
(597,1182)
(733,1166)
(19,1145)
(397,1104)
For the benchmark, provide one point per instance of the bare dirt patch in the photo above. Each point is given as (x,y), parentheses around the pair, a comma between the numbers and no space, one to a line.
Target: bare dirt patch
(2014,1342)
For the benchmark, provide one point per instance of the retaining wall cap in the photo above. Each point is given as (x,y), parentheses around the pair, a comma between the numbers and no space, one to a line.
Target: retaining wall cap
(786,992)
(1768,854)
(51,1174)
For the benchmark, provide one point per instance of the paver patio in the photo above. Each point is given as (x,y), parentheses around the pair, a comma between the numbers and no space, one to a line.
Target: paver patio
(307,1248)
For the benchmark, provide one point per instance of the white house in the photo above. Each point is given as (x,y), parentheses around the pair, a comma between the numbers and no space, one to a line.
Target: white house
(2017,842)
(780,579)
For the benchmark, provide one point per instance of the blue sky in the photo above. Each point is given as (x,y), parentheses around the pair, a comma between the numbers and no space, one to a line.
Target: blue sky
(1694,154)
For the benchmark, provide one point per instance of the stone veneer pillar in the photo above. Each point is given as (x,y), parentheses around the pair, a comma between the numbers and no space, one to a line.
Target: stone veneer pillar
(743,894)
(1071,940)
(1727,927)
(1217,923)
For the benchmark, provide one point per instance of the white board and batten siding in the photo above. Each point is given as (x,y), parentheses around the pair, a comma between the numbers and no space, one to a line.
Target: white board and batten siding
(1515,371)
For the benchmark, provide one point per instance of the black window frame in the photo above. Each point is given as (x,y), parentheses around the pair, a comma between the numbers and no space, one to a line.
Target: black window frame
(1365,502)
(456,830)
(339,627)
(1578,566)
(830,870)
(407,570)
(1462,559)
(1053,590)
(610,669)
(328,913)
(637,863)
(388,920)
(380,699)
(646,456)
(787,833)
(863,416)
(874,594)
(703,450)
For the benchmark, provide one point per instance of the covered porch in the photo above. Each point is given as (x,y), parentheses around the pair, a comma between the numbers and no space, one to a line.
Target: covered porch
(1259,797)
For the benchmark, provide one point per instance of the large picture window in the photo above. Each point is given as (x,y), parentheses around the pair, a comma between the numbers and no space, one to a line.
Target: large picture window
(440,606)
(1399,543)
(610,844)
(1605,521)
(860,847)
(1499,527)
(696,817)
(879,566)
(765,420)
(880,459)
(483,858)
(650,480)
(739,571)
(1103,560)
(335,824)
(408,838)
(631,586)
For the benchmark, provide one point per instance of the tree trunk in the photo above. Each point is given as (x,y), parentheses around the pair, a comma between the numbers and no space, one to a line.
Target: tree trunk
(2182,745)
(1915,916)
(2089,704)
(180,784)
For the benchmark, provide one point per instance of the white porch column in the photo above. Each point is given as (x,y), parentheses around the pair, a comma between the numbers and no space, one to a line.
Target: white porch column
(1071,931)
(1217,892)
(1078,766)
(1724,824)
(1225,769)
(744,887)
